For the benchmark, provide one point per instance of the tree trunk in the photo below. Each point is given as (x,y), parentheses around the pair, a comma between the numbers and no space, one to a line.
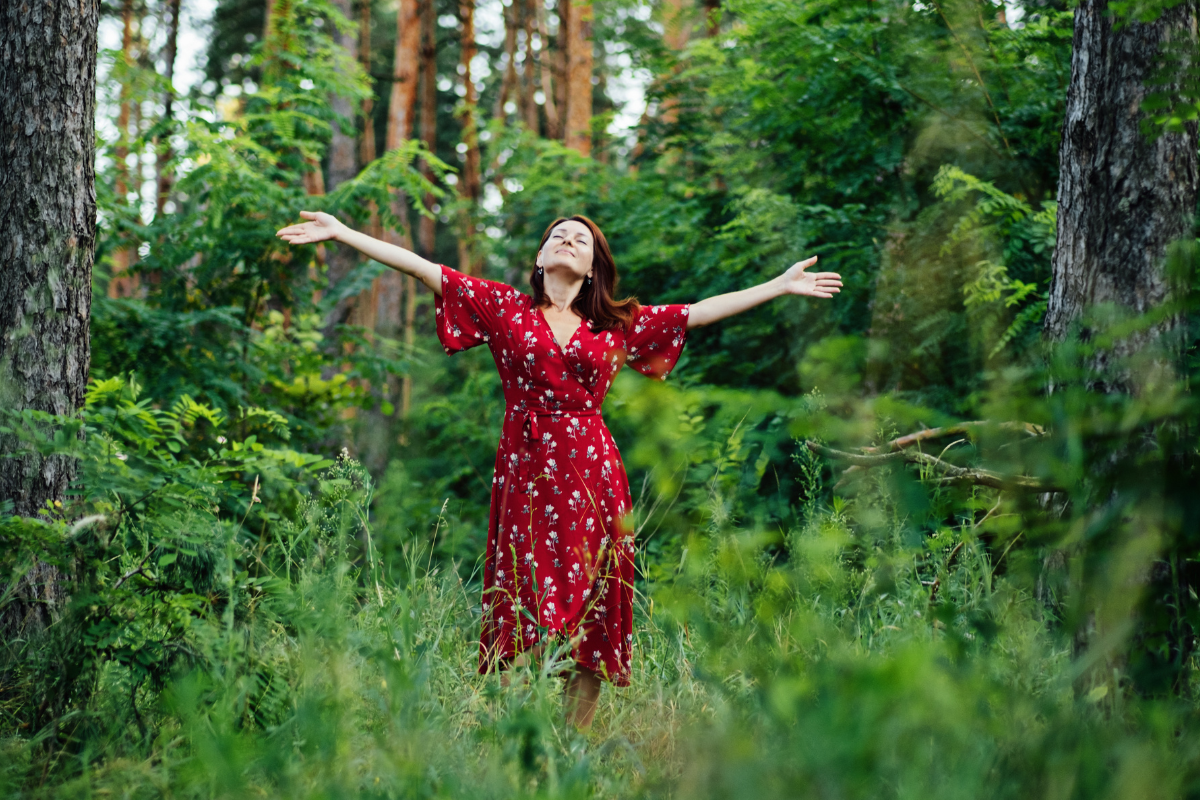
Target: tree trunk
(1122,197)
(577,135)
(396,292)
(366,153)
(364,311)
(508,86)
(429,108)
(343,160)
(403,104)
(546,68)
(558,65)
(163,147)
(677,31)
(526,102)
(469,189)
(712,25)
(401,111)
(122,284)
(47,244)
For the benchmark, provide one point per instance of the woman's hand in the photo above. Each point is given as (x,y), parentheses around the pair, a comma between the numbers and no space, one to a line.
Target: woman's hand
(810,284)
(794,281)
(322,228)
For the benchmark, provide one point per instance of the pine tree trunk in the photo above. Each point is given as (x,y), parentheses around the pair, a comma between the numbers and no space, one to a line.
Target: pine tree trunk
(712,25)
(429,108)
(577,135)
(558,66)
(47,245)
(546,69)
(343,162)
(401,112)
(366,153)
(508,87)
(469,189)
(122,284)
(164,147)
(527,103)
(1122,197)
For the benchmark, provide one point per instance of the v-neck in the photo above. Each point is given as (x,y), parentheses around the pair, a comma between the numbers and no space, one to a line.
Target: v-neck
(562,347)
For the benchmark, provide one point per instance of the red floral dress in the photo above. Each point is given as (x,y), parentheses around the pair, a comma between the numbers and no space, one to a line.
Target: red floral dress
(559,553)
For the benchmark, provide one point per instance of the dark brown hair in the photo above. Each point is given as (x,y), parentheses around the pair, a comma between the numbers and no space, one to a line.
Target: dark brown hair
(595,301)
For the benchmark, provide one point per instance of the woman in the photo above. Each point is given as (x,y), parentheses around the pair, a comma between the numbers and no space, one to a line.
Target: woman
(560,555)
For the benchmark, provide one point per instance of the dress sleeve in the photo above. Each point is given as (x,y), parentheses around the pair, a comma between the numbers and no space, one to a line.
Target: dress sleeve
(656,339)
(470,311)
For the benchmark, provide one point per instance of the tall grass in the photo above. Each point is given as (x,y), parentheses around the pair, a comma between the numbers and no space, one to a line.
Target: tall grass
(839,658)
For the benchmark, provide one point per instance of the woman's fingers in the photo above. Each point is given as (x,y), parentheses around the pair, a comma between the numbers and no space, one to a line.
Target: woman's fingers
(308,214)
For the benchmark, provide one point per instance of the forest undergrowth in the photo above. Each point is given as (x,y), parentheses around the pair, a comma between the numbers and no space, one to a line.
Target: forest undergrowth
(902,636)
(895,545)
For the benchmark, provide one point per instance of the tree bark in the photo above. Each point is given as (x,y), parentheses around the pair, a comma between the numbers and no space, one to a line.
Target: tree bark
(401,112)
(559,65)
(1122,197)
(469,189)
(577,135)
(712,25)
(508,86)
(164,147)
(47,245)
(527,106)
(403,104)
(367,302)
(546,69)
(429,107)
(343,160)
(366,153)
(121,284)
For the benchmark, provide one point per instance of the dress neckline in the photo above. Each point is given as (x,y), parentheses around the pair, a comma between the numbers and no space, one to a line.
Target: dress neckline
(562,347)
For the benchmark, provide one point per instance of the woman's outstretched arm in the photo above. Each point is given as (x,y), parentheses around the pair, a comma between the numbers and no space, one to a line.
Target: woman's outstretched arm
(323,227)
(794,281)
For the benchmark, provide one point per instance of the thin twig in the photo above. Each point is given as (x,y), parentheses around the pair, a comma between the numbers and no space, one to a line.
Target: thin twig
(135,571)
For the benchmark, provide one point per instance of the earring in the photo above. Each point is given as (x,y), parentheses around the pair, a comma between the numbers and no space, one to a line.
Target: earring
(589,280)
(539,269)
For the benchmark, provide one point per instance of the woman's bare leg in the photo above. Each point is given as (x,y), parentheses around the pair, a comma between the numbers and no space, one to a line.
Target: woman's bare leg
(582,697)
(523,659)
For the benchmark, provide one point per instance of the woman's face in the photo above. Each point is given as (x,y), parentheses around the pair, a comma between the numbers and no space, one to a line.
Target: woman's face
(569,249)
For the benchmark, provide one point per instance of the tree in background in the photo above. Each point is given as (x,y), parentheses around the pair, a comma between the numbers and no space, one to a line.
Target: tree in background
(47,243)
(577,33)
(1123,196)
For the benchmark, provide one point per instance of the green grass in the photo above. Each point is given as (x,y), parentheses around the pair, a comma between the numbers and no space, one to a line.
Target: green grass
(753,677)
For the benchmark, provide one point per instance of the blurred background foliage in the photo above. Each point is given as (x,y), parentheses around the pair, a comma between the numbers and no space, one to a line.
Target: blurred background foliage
(272,556)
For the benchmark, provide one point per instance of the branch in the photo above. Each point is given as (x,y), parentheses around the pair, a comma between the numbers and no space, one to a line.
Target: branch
(950,474)
(953,430)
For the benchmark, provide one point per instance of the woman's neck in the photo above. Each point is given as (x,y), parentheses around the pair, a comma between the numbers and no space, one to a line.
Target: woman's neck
(560,291)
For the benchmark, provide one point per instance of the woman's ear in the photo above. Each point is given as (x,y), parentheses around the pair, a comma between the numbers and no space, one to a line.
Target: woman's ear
(538,261)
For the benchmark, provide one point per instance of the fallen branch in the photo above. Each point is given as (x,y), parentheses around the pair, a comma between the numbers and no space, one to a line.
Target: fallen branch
(950,474)
(953,430)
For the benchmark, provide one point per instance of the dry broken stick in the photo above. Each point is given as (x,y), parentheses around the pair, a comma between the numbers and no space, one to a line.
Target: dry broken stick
(950,474)
(954,430)
(968,428)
